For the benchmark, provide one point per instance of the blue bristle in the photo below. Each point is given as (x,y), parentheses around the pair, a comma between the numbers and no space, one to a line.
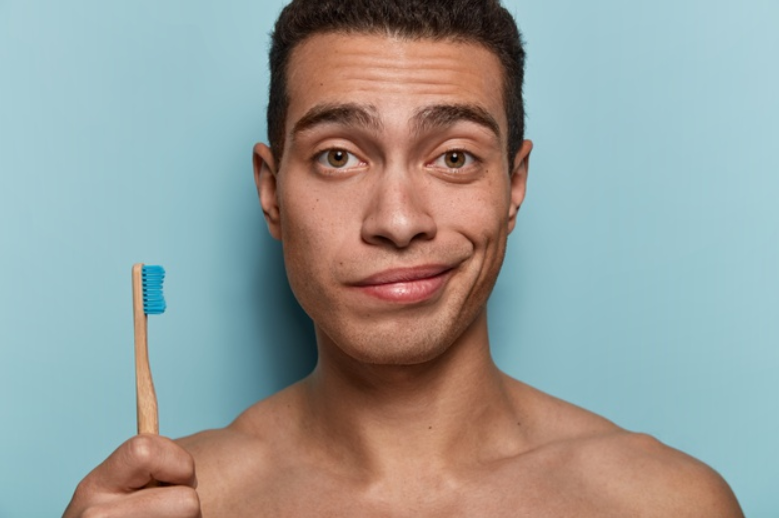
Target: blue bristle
(153,301)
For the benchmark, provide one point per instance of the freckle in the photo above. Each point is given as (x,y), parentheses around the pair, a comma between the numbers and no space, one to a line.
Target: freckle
(429,427)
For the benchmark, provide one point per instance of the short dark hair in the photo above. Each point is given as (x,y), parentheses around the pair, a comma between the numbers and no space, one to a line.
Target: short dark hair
(482,21)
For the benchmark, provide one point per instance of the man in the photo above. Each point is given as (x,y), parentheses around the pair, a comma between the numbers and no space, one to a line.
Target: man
(396,168)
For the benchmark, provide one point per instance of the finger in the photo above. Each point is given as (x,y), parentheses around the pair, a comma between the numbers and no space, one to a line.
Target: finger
(144,458)
(167,502)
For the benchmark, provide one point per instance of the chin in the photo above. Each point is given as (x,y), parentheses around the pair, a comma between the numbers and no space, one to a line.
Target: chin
(400,343)
(396,353)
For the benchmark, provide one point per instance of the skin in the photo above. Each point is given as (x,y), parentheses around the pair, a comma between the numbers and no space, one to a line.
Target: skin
(393,201)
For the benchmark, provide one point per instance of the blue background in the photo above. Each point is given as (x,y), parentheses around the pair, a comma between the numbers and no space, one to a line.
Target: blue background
(641,281)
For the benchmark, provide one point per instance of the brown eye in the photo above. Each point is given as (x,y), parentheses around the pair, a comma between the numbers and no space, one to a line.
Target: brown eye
(454,159)
(337,157)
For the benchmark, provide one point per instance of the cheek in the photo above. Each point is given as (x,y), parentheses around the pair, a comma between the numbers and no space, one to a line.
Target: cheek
(303,218)
(481,215)
(304,262)
(311,235)
(298,234)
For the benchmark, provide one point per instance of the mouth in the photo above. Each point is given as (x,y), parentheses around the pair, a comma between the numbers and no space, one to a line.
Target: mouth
(406,285)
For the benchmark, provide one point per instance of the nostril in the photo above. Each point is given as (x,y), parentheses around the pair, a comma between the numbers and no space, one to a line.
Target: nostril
(398,229)
(398,212)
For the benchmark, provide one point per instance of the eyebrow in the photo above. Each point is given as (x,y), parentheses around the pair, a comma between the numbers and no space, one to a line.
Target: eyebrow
(348,114)
(367,116)
(443,115)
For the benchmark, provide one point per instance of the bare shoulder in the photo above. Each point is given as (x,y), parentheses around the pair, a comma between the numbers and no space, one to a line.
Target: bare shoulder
(243,458)
(633,473)
(247,433)
(653,479)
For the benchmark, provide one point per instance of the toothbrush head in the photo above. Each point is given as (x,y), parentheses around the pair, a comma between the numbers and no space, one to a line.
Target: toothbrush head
(153,301)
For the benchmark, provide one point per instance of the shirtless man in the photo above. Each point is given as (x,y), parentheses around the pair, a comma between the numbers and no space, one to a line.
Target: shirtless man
(396,168)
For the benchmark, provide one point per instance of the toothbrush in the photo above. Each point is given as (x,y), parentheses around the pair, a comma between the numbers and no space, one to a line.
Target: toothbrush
(147,300)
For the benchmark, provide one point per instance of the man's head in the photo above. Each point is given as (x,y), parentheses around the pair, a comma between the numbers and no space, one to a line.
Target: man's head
(478,21)
(395,191)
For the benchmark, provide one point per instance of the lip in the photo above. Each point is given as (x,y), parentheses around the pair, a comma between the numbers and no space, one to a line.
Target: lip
(405,285)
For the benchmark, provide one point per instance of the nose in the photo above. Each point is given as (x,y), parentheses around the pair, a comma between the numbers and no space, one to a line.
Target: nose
(398,213)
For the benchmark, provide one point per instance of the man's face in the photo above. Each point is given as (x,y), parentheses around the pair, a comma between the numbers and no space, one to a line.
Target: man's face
(394,196)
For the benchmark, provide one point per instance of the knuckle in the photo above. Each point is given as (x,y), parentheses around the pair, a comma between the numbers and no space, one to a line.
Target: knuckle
(188,501)
(141,448)
(85,492)
(83,488)
(189,463)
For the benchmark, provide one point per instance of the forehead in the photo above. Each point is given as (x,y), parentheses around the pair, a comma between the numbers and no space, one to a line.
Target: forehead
(397,76)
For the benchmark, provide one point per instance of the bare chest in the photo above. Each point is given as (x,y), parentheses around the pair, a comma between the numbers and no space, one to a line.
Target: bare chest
(499,494)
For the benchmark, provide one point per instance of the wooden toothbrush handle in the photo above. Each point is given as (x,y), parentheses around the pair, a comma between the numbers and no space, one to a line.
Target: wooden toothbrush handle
(146,399)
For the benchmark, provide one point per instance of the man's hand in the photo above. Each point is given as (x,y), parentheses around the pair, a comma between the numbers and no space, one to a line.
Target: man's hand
(118,486)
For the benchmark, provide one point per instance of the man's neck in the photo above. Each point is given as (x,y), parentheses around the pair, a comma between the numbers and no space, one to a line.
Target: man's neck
(452,410)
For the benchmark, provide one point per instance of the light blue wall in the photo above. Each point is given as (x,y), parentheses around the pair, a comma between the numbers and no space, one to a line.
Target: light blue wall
(641,282)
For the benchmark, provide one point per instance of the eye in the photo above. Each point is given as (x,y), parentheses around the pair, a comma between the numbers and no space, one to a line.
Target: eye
(455,159)
(337,159)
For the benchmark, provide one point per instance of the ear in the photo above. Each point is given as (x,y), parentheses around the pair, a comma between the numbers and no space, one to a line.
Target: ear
(518,181)
(267,189)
